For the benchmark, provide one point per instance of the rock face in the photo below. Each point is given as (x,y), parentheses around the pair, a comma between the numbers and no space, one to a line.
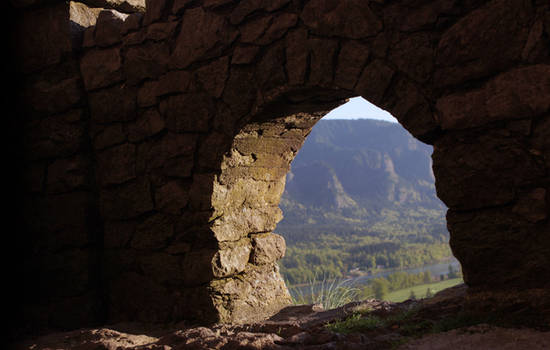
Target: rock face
(154,146)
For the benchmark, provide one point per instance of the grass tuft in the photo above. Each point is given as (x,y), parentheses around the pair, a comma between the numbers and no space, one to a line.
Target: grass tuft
(330,294)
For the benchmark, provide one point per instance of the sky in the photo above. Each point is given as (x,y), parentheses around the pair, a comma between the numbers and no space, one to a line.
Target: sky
(359,108)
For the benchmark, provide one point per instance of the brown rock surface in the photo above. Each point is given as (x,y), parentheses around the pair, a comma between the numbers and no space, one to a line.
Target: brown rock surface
(305,327)
(483,337)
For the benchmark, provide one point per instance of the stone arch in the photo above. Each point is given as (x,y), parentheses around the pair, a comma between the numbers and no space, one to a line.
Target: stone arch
(251,180)
(190,113)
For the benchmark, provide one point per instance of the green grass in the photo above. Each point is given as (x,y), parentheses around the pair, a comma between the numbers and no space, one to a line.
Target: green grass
(420,290)
(330,294)
(366,321)
(355,323)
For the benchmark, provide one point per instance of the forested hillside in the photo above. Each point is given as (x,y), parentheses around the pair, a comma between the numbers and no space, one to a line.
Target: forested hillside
(360,196)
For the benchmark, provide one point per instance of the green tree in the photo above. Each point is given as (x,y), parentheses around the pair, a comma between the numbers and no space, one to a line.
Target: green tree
(380,287)
(372,262)
(427,276)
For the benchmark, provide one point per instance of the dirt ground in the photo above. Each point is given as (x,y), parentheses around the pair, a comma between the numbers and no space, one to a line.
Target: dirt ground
(453,319)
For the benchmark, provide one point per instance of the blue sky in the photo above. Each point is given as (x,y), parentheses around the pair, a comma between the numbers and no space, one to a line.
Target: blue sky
(359,108)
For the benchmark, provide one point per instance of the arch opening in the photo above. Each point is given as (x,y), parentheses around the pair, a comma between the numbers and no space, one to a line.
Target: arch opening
(359,204)
(254,172)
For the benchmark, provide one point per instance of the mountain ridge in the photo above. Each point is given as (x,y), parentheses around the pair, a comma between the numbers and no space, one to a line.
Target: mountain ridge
(360,194)
(363,164)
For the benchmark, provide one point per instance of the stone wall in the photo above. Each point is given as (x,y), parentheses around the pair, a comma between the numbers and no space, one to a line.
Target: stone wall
(156,143)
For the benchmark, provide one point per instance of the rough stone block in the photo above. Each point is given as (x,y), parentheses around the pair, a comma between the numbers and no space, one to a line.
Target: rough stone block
(162,267)
(517,94)
(105,136)
(252,30)
(237,224)
(351,19)
(187,112)
(158,153)
(270,74)
(213,76)
(108,29)
(374,81)
(296,56)
(485,235)
(172,197)
(267,174)
(148,60)
(132,23)
(488,39)
(266,145)
(532,206)
(483,171)
(199,266)
(155,10)
(414,19)
(414,56)
(170,83)
(126,201)
(231,258)
(216,36)
(520,92)
(267,248)
(351,60)
(267,29)
(101,67)
(247,7)
(114,104)
(323,54)
(148,124)
(278,28)
(117,164)
(413,109)
(245,54)
(240,91)
(260,293)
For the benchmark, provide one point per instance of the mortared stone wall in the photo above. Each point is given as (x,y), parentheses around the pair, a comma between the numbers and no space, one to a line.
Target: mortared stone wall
(153,146)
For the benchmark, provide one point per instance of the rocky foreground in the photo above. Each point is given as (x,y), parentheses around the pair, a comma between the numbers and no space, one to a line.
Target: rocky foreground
(453,319)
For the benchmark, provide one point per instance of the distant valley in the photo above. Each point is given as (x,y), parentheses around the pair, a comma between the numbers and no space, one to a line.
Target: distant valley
(360,196)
